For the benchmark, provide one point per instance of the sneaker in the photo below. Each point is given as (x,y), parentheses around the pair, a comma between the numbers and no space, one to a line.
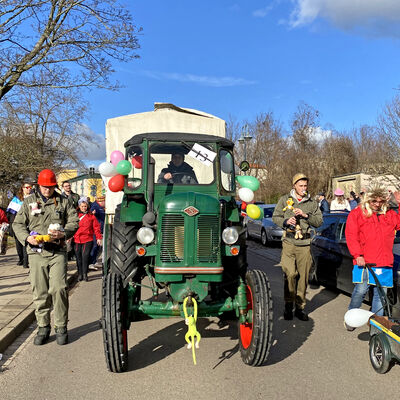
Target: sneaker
(92,267)
(42,335)
(61,335)
(348,327)
(301,315)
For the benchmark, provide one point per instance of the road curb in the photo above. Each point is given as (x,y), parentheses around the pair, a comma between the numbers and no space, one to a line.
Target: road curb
(9,333)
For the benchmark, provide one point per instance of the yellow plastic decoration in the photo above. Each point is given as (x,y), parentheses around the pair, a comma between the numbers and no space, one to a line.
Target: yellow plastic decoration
(190,321)
(289,204)
(253,211)
(42,238)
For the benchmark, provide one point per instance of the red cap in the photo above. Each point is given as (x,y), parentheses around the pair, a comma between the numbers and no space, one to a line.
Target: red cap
(47,178)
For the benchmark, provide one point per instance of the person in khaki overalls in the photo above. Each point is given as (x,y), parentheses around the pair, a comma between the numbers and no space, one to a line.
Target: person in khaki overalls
(47,261)
(296,212)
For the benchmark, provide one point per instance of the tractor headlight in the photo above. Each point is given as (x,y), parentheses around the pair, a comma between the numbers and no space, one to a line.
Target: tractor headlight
(230,235)
(145,235)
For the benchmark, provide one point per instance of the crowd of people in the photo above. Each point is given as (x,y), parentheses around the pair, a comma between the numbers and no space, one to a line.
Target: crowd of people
(339,202)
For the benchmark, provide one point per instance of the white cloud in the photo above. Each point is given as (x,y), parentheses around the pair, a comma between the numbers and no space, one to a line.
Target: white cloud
(94,149)
(213,81)
(372,17)
(319,134)
(262,12)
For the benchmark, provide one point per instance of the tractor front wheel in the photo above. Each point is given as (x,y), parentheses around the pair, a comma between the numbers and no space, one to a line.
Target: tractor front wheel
(115,337)
(255,336)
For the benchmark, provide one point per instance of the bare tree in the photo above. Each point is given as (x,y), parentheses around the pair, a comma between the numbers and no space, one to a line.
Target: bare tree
(63,43)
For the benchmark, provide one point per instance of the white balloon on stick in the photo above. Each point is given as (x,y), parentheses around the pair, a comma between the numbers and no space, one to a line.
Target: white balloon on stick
(357,317)
(107,169)
(246,195)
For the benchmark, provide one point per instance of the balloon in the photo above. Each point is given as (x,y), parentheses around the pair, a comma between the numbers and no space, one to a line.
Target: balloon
(244,205)
(116,156)
(107,169)
(116,183)
(137,162)
(357,317)
(246,195)
(248,181)
(253,211)
(124,167)
(226,163)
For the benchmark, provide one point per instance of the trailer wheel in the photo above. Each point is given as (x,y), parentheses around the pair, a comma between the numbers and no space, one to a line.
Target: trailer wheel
(255,337)
(115,337)
(380,353)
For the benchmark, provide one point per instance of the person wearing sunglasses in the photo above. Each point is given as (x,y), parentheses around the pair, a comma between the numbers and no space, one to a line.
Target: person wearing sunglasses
(12,209)
(370,232)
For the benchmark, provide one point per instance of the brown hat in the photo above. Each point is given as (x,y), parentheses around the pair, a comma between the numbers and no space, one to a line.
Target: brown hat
(299,176)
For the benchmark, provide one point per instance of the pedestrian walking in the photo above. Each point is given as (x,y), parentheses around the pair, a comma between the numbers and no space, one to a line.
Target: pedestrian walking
(296,213)
(15,204)
(48,260)
(370,232)
(98,210)
(83,238)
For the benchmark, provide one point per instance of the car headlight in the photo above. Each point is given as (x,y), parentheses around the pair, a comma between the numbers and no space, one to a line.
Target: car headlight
(145,235)
(230,235)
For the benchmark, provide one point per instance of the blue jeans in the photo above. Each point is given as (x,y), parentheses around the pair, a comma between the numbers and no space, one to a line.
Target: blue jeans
(360,289)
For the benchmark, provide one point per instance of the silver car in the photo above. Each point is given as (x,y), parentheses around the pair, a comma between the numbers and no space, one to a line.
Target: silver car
(264,228)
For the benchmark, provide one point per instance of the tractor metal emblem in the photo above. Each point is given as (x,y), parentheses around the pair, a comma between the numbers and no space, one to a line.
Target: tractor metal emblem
(191,211)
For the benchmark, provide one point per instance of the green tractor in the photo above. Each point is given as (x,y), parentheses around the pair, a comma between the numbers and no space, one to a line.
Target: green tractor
(178,230)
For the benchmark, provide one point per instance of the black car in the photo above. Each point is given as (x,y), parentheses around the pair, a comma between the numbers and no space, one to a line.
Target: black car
(332,261)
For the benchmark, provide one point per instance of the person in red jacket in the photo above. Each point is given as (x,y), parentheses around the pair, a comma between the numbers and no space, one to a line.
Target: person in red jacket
(83,238)
(370,232)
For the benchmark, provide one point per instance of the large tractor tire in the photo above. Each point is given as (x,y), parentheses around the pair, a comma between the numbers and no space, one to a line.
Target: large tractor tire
(123,259)
(115,337)
(255,337)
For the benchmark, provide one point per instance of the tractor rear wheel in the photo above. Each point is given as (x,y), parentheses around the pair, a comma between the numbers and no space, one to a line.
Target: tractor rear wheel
(255,337)
(115,337)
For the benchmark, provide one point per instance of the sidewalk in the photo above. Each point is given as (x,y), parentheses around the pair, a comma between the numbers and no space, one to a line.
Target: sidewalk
(16,308)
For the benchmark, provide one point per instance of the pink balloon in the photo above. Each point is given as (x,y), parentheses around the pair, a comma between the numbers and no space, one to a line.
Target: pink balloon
(116,183)
(116,156)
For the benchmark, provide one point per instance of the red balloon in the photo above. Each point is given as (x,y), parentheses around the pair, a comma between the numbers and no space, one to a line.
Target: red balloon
(116,183)
(244,205)
(137,162)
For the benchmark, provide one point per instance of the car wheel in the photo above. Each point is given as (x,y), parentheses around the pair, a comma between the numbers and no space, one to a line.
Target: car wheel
(255,337)
(264,238)
(380,354)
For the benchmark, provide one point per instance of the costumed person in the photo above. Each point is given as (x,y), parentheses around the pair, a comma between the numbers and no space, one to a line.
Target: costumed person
(296,213)
(339,203)
(47,256)
(177,171)
(370,232)
(83,238)
(98,210)
(12,209)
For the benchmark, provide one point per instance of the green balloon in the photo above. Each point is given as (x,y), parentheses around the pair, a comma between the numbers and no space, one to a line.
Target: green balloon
(124,167)
(249,182)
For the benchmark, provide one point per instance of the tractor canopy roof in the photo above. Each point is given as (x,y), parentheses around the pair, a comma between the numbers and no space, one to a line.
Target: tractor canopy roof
(168,137)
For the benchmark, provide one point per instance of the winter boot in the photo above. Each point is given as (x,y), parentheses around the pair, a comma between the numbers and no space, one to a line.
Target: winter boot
(288,313)
(61,335)
(42,335)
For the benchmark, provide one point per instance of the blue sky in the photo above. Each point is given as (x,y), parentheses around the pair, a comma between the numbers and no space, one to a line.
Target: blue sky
(242,58)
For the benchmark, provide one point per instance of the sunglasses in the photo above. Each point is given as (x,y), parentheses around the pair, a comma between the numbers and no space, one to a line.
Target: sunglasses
(27,187)
(377,202)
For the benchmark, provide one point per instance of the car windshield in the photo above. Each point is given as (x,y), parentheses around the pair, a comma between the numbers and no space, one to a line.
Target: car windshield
(183,164)
(268,212)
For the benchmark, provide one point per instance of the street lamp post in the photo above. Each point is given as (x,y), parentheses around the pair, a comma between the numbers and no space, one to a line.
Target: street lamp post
(244,138)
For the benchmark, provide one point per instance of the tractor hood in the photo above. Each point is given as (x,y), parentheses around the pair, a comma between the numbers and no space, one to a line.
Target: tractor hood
(190,203)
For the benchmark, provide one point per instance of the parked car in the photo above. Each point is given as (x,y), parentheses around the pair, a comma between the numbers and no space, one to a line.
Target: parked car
(332,261)
(264,228)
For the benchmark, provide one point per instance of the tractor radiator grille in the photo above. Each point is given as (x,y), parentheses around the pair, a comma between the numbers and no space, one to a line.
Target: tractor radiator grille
(208,239)
(173,238)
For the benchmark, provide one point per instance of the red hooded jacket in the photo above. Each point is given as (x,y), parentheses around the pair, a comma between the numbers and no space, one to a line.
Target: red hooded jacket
(88,226)
(372,237)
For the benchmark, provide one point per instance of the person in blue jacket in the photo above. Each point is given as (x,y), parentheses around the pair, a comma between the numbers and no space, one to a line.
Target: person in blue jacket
(323,203)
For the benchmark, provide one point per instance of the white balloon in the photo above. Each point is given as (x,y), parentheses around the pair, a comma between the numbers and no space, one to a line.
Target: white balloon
(107,169)
(246,195)
(357,317)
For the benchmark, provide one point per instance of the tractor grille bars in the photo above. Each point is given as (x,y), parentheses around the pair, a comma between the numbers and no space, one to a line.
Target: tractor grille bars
(206,237)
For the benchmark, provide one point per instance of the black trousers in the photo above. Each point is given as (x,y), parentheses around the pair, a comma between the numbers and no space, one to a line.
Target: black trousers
(82,253)
(22,254)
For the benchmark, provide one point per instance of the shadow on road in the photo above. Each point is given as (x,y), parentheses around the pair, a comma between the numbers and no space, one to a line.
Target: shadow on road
(75,334)
(167,341)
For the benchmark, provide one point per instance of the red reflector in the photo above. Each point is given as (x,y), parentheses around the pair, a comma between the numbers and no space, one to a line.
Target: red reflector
(234,251)
(140,251)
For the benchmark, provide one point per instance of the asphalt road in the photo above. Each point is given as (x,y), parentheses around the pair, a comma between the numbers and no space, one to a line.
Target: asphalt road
(308,360)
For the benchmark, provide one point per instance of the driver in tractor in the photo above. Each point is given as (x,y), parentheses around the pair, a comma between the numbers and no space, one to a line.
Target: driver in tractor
(177,171)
